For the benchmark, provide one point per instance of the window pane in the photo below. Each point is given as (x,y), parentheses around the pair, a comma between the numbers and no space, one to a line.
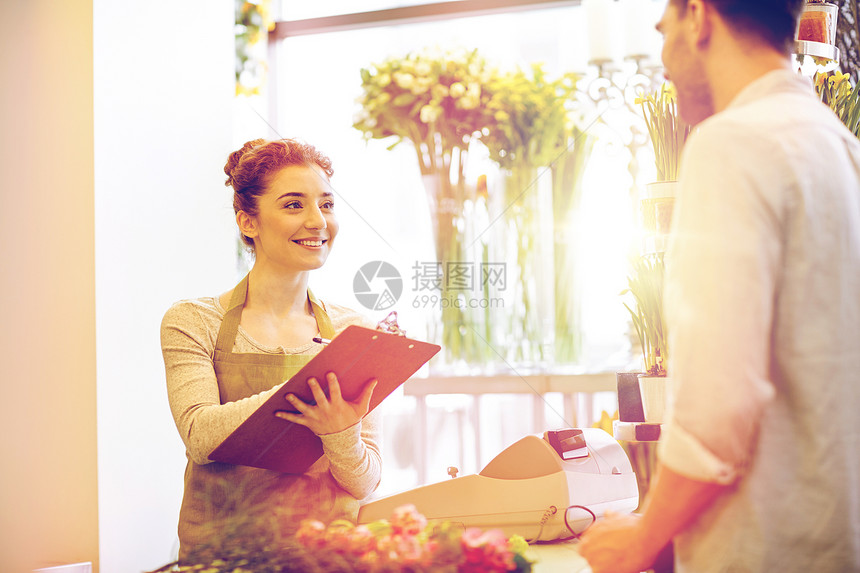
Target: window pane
(293,10)
(383,207)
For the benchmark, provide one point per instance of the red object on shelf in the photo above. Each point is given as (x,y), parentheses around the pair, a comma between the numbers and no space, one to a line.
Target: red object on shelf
(814,27)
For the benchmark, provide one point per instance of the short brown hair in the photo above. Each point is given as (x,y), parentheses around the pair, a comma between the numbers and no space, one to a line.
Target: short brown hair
(774,21)
(250,169)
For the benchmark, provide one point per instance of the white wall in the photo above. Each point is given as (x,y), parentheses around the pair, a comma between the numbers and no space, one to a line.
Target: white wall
(48,473)
(163,102)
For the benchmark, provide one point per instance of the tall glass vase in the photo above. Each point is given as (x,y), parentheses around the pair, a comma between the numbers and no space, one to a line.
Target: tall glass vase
(526,239)
(567,173)
(459,323)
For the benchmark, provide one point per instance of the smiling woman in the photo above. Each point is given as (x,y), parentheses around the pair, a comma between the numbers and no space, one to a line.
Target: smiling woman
(224,356)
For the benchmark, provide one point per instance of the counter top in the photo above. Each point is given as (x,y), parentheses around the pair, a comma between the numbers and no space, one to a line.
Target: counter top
(560,557)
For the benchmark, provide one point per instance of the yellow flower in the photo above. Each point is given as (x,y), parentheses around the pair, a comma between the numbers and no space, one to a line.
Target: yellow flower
(469,102)
(382,80)
(423,69)
(457,90)
(439,91)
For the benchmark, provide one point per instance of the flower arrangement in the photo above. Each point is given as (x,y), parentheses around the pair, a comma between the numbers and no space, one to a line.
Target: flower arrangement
(836,91)
(437,101)
(645,284)
(253,21)
(532,135)
(405,543)
(442,102)
(668,132)
(434,99)
(532,122)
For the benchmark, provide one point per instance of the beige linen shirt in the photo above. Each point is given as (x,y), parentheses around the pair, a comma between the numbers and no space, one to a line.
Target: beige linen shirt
(763,312)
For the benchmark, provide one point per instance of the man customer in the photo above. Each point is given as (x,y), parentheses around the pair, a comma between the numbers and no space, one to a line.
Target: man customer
(759,466)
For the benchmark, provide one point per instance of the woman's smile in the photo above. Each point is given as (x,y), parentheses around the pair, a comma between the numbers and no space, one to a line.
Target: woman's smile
(311,243)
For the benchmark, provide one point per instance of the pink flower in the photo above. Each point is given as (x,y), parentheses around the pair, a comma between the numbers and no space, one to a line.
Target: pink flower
(485,552)
(407,520)
(361,541)
(311,534)
(401,548)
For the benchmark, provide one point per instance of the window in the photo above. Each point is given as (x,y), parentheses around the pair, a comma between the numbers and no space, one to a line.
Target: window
(381,202)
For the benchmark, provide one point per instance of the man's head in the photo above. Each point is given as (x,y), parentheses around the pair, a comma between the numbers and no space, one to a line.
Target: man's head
(774,21)
(711,48)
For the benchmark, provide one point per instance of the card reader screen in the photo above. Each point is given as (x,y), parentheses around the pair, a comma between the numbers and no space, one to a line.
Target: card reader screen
(568,443)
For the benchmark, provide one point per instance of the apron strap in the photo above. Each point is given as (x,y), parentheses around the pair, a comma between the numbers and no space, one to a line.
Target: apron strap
(230,324)
(233,314)
(323,321)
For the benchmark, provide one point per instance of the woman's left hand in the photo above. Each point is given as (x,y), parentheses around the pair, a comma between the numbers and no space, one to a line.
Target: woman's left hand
(330,414)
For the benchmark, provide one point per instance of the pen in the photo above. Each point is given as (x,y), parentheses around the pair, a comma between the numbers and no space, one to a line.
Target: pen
(319,340)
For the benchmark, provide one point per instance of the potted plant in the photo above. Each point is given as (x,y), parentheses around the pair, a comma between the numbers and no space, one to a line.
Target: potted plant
(836,91)
(668,134)
(645,285)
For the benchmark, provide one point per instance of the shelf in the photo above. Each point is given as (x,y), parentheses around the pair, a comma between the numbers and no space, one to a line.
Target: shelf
(636,431)
(816,49)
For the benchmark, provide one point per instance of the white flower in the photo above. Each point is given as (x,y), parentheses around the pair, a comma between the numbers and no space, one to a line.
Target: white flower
(421,86)
(430,113)
(405,81)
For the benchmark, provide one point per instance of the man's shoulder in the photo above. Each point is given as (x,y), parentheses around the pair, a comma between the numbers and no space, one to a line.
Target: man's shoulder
(773,105)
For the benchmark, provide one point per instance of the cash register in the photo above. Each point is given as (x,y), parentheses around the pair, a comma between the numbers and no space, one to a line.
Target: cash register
(541,487)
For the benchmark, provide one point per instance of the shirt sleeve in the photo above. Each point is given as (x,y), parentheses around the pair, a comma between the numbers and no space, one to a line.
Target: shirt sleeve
(354,456)
(188,348)
(722,268)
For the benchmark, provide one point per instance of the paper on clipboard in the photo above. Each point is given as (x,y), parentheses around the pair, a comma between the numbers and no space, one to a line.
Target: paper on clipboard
(356,356)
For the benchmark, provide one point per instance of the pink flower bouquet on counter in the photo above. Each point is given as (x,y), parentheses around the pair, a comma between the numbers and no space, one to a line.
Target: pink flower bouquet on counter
(406,543)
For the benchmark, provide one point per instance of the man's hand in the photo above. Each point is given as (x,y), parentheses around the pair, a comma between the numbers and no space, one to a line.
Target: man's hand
(332,413)
(632,542)
(614,544)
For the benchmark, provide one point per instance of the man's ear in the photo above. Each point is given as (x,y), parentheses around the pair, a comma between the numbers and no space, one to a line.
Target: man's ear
(247,224)
(700,15)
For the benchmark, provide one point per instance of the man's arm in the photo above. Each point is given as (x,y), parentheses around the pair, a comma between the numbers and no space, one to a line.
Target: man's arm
(631,543)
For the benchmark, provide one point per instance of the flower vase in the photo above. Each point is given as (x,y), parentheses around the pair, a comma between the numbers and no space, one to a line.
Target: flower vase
(656,394)
(459,328)
(657,207)
(567,172)
(527,250)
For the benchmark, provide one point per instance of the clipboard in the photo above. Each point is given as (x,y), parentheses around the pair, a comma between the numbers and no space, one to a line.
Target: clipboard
(356,356)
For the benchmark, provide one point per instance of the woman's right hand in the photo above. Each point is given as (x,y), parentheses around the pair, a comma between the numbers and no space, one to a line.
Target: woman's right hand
(330,414)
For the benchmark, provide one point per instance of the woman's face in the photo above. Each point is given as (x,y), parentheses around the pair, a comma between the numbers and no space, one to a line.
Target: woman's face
(295,224)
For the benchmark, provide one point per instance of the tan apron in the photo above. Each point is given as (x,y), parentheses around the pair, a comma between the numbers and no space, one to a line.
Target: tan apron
(228,505)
